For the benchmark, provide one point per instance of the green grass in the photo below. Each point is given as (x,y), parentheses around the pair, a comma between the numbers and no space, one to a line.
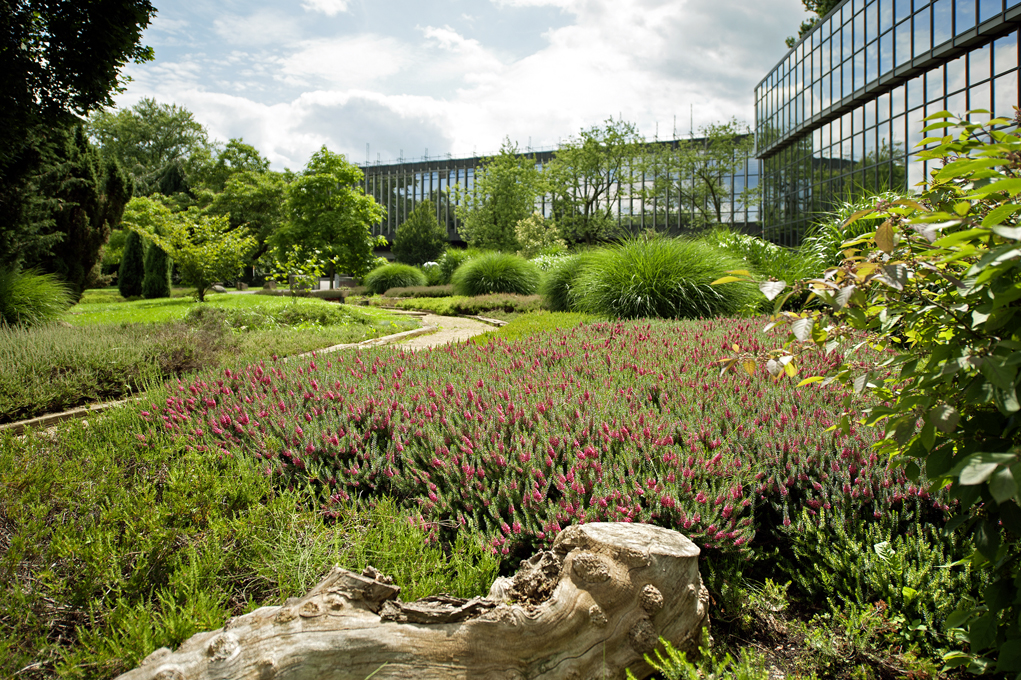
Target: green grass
(524,325)
(29,298)
(104,307)
(389,276)
(496,273)
(113,549)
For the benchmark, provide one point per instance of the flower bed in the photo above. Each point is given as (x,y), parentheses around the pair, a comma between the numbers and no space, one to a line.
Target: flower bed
(602,422)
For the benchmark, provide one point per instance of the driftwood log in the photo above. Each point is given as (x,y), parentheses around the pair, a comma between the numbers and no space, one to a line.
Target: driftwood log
(589,608)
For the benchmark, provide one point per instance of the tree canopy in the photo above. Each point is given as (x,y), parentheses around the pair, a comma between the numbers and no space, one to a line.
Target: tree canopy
(818,7)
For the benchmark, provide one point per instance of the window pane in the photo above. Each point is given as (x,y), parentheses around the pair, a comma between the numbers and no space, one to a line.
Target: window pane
(859,32)
(978,64)
(883,108)
(964,15)
(987,9)
(848,43)
(898,132)
(886,53)
(870,113)
(978,98)
(916,89)
(903,43)
(957,104)
(1005,95)
(941,22)
(956,75)
(903,10)
(859,70)
(934,84)
(921,32)
(885,15)
(897,106)
(1005,53)
(871,22)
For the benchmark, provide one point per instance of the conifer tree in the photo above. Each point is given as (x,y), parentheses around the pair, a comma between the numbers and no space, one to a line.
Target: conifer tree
(158,264)
(132,271)
(420,239)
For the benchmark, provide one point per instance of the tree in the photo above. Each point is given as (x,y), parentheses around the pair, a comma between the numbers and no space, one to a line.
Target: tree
(695,174)
(235,157)
(205,249)
(538,236)
(420,239)
(152,142)
(820,8)
(504,192)
(590,175)
(60,59)
(91,196)
(158,265)
(132,270)
(256,199)
(328,211)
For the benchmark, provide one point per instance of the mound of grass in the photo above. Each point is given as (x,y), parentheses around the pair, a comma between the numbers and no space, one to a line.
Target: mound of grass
(421,292)
(496,273)
(382,279)
(662,277)
(30,297)
(559,286)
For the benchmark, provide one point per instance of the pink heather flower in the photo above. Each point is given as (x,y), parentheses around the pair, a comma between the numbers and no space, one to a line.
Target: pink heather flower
(701,498)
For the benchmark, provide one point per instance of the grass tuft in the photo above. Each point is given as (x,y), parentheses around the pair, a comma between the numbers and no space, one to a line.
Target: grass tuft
(381,279)
(28,298)
(496,273)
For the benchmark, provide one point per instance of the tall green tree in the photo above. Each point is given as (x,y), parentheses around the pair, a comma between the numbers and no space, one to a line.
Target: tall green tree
(504,192)
(590,175)
(132,269)
(695,175)
(158,266)
(92,194)
(153,143)
(328,211)
(58,60)
(420,239)
(256,199)
(222,163)
(818,7)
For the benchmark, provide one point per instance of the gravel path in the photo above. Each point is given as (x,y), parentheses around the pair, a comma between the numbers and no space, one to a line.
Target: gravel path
(450,329)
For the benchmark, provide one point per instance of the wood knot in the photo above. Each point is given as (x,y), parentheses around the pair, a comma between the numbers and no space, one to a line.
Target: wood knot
(169,674)
(285,615)
(643,637)
(597,616)
(591,568)
(651,599)
(224,646)
(310,610)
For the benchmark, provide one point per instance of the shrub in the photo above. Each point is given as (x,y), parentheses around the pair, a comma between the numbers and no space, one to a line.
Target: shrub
(496,273)
(384,278)
(156,283)
(825,241)
(421,292)
(421,238)
(768,259)
(454,258)
(434,274)
(30,297)
(132,269)
(536,236)
(549,261)
(559,286)
(661,277)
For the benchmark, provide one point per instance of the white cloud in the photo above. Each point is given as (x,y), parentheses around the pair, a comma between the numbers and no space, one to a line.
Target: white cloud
(346,62)
(261,29)
(330,8)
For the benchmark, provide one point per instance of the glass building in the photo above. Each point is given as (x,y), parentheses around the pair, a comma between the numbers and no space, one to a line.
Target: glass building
(654,200)
(842,112)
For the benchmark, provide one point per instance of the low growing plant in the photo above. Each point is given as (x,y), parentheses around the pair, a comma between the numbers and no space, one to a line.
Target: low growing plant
(384,278)
(30,297)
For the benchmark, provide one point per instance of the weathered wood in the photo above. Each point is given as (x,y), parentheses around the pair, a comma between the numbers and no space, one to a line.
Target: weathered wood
(589,608)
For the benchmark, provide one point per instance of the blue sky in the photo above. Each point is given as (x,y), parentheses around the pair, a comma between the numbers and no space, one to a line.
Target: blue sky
(454,76)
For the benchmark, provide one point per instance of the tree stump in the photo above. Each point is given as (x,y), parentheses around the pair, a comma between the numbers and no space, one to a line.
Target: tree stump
(589,608)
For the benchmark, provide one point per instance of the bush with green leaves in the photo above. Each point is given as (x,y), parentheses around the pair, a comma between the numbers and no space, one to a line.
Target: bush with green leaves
(768,259)
(420,238)
(132,269)
(30,297)
(825,241)
(937,283)
(433,273)
(384,278)
(158,265)
(453,258)
(538,236)
(496,273)
(662,277)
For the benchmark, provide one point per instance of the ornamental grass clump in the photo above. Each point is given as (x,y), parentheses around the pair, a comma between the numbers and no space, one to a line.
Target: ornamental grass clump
(30,297)
(663,277)
(389,276)
(559,286)
(496,273)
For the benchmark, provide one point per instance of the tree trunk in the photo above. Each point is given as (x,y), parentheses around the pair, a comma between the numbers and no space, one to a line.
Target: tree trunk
(589,608)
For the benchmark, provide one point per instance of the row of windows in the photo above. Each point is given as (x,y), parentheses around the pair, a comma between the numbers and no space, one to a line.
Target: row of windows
(858,43)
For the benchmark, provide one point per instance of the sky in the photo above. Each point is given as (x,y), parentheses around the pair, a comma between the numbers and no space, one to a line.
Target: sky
(437,77)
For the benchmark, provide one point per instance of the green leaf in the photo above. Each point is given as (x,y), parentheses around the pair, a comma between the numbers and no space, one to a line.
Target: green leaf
(978,467)
(928,436)
(725,279)
(1009,660)
(945,417)
(884,237)
(772,288)
(998,595)
(987,539)
(1010,186)
(998,215)
(1002,485)
(809,381)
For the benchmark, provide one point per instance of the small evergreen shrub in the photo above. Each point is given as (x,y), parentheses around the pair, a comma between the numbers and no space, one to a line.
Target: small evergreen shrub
(156,282)
(132,269)
(663,277)
(382,279)
(496,273)
(421,238)
(30,297)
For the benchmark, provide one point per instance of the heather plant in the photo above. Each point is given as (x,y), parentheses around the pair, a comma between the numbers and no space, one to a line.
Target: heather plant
(30,297)
(421,292)
(661,277)
(936,284)
(496,273)
(604,422)
(382,279)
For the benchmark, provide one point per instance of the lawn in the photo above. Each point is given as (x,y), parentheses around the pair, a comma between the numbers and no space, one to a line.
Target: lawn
(208,498)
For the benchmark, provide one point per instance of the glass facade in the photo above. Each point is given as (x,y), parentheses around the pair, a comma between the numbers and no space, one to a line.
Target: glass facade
(656,200)
(841,113)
